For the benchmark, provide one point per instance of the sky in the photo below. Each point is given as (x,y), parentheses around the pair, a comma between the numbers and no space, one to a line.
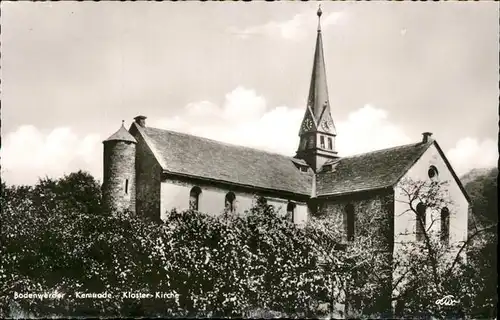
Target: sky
(240,72)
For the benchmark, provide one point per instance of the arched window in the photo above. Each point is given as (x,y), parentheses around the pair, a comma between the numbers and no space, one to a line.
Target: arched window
(330,144)
(290,211)
(445,225)
(194,198)
(230,202)
(420,221)
(322,142)
(349,221)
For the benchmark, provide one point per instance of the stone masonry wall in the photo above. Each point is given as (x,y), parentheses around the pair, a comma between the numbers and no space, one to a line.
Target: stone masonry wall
(119,167)
(373,217)
(148,180)
(373,213)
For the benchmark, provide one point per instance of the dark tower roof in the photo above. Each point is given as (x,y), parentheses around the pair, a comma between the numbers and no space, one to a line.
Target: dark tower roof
(121,135)
(318,101)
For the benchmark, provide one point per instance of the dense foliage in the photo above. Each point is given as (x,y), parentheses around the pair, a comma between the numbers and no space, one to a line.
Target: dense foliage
(482,186)
(57,239)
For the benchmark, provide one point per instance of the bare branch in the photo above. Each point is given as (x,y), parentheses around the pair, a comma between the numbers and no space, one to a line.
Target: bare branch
(465,244)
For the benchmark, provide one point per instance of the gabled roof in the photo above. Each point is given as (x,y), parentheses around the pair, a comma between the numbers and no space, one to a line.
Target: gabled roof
(369,171)
(121,135)
(453,173)
(190,155)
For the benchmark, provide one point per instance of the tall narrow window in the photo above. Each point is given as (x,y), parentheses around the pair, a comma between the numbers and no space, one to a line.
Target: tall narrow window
(322,142)
(230,202)
(349,222)
(126,186)
(445,225)
(330,144)
(194,198)
(290,211)
(420,223)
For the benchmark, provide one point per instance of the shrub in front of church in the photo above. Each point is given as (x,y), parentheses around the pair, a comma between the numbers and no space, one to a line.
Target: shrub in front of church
(234,266)
(288,272)
(56,240)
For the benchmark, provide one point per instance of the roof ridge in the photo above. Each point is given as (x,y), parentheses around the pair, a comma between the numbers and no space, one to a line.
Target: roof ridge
(220,142)
(383,150)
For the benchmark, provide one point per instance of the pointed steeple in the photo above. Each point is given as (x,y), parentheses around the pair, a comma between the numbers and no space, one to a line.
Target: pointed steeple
(318,90)
(317,132)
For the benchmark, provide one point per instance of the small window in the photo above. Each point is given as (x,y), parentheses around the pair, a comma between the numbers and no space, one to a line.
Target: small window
(327,167)
(433,173)
(330,144)
(322,142)
(303,169)
(445,225)
(194,198)
(349,222)
(420,223)
(230,202)
(126,186)
(290,211)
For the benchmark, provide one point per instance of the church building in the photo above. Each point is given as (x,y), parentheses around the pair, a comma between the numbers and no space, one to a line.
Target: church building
(151,171)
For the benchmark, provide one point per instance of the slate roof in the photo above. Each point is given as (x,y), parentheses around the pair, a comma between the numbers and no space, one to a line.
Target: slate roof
(195,156)
(368,171)
(121,135)
(185,154)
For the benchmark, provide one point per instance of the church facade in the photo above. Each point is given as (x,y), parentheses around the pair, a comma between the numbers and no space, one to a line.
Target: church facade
(151,171)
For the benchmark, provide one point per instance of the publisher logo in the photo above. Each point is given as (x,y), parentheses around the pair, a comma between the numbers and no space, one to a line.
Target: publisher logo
(448,301)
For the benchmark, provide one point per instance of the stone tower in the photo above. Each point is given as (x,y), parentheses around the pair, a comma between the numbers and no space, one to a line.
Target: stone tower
(118,187)
(317,132)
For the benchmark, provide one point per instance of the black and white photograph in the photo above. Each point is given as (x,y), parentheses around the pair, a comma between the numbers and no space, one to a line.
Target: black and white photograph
(249,159)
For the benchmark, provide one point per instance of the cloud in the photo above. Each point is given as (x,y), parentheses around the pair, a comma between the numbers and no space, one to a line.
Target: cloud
(293,29)
(243,119)
(469,153)
(368,129)
(28,154)
(246,119)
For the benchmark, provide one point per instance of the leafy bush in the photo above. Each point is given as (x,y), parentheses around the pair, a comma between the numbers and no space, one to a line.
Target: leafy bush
(58,239)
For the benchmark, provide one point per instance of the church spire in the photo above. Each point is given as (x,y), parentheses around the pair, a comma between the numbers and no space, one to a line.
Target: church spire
(318,90)
(317,133)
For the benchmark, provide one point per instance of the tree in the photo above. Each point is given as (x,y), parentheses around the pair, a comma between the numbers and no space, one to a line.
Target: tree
(481,185)
(57,239)
(424,267)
